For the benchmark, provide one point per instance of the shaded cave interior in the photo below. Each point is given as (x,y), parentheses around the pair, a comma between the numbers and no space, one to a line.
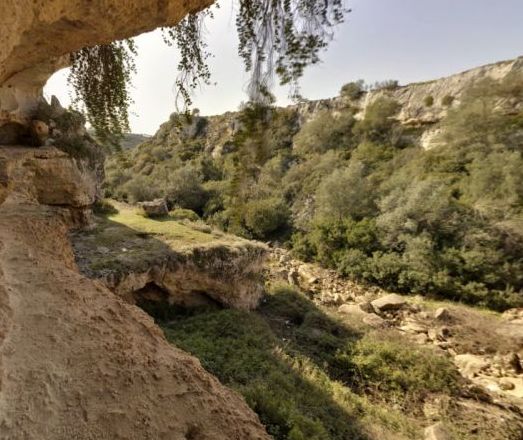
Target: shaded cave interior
(163,306)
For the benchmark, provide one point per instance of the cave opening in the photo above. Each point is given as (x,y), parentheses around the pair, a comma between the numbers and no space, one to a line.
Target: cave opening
(164,306)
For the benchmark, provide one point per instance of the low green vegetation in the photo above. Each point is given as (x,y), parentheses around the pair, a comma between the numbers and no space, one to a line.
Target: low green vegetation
(429,101)
(311,376)
(359,194)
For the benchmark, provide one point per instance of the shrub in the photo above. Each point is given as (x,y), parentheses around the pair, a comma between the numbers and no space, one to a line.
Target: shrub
(378,121)
(183,214)
(264,217)
(429,101)
(325,132)
(447,100)
(345,193)
(388,84)
(184,189)
(104,207)
(353,90)
(385,364)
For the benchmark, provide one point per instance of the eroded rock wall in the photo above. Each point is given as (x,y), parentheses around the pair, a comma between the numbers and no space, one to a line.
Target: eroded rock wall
(37,35)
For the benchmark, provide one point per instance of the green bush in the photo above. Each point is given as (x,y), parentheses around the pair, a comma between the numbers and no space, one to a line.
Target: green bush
(447,100)
(264,217)
(185,190)
(429,101)
(378,122)
(383,363)
(353,90)
(104,207)
(326,132)
(183,214)
(388,84)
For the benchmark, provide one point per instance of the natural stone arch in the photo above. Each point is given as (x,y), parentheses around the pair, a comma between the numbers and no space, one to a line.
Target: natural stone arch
(37,35)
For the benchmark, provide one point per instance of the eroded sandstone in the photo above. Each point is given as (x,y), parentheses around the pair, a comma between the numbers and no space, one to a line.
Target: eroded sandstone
(36,37)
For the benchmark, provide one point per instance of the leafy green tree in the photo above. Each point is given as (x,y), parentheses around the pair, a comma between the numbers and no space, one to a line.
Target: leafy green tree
(264,217)
(184,189)
(378,122)
(326,132)
(345,193)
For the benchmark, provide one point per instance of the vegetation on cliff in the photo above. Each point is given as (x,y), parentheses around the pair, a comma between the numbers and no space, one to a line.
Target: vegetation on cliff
(308,374)
(359,195)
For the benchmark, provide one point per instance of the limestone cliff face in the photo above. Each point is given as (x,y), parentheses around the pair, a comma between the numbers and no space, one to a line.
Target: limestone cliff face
(218,130)
(36,36)
(413,109)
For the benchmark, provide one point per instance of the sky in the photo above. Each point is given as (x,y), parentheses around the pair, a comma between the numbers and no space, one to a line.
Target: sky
(406,40)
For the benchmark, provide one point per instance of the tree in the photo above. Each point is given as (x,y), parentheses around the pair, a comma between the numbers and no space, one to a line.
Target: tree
(345,193)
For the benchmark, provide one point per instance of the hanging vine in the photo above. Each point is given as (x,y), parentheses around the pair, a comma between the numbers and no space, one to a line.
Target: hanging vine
(100,77)
(279,37)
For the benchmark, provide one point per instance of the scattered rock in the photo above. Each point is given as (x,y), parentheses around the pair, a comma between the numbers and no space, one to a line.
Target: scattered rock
(366,307)
(351,309)
(293,277)
(411,326)
(506,384)
(513,363)
(155,208)
(388,302)
(439,334)
(374,320)
(437,432)
(471,365)
(421,338)
(442,314)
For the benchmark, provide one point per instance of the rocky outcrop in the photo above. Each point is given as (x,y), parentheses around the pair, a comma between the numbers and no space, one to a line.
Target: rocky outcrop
(155,208)
(487,349)
(77,362)
(37,36)
(226,272)
(48,176)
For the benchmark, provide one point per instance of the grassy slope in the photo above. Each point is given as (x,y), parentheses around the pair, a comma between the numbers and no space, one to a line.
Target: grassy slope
(312,376)
(128,240)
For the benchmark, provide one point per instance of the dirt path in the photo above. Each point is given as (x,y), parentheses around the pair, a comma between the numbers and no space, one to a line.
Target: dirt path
(78,363)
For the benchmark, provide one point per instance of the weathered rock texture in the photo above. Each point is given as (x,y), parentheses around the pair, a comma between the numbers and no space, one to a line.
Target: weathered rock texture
(47,176)
(76,361)
(228,272)
(36,36)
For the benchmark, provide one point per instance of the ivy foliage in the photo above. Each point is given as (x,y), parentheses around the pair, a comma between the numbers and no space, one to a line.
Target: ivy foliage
(275,36)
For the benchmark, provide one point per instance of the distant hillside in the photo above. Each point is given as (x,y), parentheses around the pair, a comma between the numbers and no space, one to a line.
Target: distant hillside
(131,140)
(416,188)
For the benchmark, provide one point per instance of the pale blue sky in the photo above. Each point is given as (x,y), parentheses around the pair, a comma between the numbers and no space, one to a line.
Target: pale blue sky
(407,40)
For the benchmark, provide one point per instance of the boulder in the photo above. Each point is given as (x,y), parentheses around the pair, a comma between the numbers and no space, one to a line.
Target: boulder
(155,208)
(374,320)
(351,310)
(412,326)
(506,384)
(437,432)
(442,314)
(366,307)
(471,365)
(388,302)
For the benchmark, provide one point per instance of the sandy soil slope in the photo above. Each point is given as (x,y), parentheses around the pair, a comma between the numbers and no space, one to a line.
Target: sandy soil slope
(76,362)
